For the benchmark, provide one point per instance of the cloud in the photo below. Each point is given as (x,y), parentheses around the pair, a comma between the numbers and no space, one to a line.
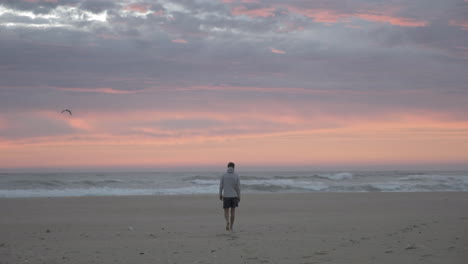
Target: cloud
(348,66)
(98,6)
(98,90)
(277,51)
(138,7)
(38,1)
(179,41)
(334,16)
(261,12)
(397,21)
(463,24)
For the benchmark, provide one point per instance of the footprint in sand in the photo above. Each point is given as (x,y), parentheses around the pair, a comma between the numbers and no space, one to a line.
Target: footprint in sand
(321,253)
(426,256)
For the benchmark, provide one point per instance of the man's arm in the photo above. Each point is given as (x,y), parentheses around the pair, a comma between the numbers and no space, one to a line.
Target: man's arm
(238,188)
(221,186)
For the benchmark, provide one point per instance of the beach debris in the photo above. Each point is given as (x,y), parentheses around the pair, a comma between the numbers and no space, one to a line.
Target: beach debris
(130,228)
(152,235)
(47,231)
(389,251)
(142,253)
(213,250)
(410,246)
(321,253)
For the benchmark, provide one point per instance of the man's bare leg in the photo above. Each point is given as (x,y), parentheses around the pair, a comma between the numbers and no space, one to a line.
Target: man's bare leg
(233,215)
(226,216)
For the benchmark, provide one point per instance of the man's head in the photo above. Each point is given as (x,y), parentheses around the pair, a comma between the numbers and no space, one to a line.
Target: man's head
(231,165)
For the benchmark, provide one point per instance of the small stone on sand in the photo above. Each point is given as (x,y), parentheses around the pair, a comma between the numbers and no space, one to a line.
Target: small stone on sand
(411,246)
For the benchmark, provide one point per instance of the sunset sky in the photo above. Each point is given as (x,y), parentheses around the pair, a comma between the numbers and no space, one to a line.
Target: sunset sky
(265,83)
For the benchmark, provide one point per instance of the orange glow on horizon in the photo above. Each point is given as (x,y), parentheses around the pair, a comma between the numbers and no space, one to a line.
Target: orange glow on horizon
(422,138)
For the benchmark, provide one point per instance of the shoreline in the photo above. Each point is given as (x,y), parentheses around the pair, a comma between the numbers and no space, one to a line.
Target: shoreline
(383,227)
(206,195)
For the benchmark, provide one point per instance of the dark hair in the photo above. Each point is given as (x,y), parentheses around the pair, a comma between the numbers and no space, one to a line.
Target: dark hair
(231,164)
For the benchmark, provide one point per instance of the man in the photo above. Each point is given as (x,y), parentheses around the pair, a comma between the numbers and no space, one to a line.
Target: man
(230,184)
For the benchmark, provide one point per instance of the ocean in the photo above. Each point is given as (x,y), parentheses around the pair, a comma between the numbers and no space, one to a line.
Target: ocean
(71,184)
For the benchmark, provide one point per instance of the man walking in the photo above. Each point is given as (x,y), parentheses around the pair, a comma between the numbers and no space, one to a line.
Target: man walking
(230,184)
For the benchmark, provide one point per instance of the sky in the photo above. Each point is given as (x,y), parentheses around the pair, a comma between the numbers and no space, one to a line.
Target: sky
(265,83)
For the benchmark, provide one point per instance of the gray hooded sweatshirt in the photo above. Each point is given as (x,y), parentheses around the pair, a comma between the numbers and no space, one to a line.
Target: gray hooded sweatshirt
(230,183)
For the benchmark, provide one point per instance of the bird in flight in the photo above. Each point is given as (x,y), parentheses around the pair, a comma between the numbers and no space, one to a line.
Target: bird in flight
(66,110)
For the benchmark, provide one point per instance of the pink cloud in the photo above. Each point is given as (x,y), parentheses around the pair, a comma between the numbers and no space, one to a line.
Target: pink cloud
(352,26)
(80,124)
(463,24)
(241,1)
(37,1)
(290,27)
(3,123)
(107,36)
(137,7)
(159,13)
(319,15)
(383,138)
(183,41)
(287,90)
(277,51)
(285,135)
(261,12)
(98,90)
(393,20)
(463,51)
(332,16)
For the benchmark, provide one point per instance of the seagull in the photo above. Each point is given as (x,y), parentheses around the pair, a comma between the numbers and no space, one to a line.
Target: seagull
(66,110)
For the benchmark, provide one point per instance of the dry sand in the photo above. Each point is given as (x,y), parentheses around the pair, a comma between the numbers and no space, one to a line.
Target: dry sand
(270,228)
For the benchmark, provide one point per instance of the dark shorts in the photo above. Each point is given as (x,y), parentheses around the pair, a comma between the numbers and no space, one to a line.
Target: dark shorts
(230,202)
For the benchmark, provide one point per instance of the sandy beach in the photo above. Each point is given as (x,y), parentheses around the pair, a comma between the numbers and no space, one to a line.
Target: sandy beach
(269,228)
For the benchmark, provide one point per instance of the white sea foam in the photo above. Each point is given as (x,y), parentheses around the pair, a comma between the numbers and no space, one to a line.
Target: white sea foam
(337,176)
(105,192)
(276,184)
(270,184)
(188,190)
(159,183)
(205,182)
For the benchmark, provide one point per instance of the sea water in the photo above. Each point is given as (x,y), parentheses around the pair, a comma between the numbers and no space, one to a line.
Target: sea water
(172,183)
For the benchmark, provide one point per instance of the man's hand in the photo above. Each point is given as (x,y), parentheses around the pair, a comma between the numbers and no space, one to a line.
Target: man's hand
(221,197)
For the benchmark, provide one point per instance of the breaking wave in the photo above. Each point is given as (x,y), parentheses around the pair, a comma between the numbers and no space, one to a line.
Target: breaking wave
(110,184)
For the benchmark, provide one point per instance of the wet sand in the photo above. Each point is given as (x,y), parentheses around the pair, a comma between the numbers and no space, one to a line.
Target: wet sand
(269,228)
